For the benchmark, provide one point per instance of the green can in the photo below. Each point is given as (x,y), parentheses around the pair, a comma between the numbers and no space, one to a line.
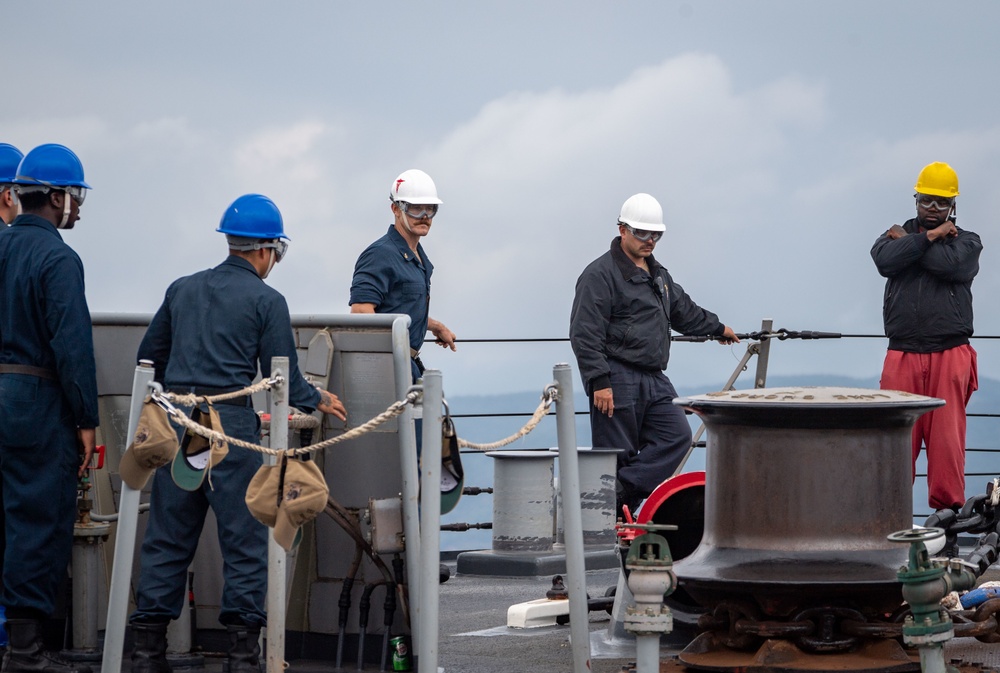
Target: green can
(400,654)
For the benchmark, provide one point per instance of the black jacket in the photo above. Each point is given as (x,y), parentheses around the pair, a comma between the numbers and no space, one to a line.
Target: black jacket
(623,313)
(927,306)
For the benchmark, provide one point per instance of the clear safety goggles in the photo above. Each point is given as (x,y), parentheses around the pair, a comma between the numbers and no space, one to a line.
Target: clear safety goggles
(418,211)
(280,248)
(935,202)
(78,194)
(643,234)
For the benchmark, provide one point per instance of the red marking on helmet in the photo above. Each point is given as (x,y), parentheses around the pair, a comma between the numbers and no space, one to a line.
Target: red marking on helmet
(398,183)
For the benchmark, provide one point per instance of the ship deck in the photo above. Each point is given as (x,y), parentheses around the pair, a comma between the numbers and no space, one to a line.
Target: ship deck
(474,636)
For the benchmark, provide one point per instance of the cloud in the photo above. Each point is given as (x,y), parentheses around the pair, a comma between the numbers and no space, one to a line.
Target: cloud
(771,203)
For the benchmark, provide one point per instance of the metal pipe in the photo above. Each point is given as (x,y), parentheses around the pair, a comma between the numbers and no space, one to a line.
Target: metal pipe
(107,518)
(128,516)
(430,524)
(647,654)
(86,564)
(408,466)
(276,557)
(569,492)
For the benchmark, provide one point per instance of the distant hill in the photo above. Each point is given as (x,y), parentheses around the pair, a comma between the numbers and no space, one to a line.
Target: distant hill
(983,432)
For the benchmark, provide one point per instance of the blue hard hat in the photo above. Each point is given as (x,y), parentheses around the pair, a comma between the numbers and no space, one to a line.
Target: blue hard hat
(51,165)
(253,216)
(10,157)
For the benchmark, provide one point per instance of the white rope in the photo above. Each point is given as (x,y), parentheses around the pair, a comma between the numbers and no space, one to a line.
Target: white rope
(180,418)
(296,421)
(549,395)
(190,399)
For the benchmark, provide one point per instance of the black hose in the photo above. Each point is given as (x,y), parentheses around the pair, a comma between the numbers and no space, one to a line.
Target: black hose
(388,615)
(344,603)
(342,517)
(364,607)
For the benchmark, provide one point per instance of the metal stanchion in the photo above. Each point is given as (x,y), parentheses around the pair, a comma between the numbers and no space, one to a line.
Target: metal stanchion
(569,493)
(426,613)
(276,556)
(408,467)
(128,517)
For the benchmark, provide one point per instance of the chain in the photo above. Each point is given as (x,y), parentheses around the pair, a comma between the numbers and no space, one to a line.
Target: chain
(979,516)
(829,629)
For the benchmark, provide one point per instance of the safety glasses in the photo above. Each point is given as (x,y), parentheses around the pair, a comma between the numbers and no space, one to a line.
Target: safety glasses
(78,194)
(935,202)
(280,248)
(644,235)
(418,211)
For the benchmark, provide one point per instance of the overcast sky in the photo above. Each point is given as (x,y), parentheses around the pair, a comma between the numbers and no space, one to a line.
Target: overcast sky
(781,139)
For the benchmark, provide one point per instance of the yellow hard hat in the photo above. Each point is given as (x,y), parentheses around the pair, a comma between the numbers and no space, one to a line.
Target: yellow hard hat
(937,179)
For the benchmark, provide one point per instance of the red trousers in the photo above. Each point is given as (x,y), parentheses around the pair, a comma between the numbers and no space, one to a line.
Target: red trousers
(952,376)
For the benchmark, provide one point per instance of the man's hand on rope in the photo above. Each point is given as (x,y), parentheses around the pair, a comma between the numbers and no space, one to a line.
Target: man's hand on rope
(87,438)
(331,404)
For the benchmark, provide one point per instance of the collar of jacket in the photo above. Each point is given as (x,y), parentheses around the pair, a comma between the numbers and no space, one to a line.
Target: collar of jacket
(36,221)
(239,262)
(404,247)
(627,267)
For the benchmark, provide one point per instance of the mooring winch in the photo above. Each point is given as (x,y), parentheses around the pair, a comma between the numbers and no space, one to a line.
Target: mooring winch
(802,486)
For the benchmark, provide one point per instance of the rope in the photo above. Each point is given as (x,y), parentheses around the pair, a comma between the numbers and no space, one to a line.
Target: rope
(549,395)
(190,399)
(180,418)
(295,421)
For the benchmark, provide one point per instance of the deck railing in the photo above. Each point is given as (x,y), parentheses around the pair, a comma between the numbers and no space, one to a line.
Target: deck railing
(975,476)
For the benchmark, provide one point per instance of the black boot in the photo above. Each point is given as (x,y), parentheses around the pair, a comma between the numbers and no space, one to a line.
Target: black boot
(244,648)
(150,652)
(25,651)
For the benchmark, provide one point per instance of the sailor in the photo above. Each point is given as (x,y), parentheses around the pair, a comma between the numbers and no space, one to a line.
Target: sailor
(48,397)
(929,264)
(210,335)
(623,311)
(393,274)
(10,157)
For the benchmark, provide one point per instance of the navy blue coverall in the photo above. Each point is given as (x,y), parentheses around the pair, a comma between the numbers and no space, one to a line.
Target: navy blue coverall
(44,325)
(208,336)
(390,276)
(620,332)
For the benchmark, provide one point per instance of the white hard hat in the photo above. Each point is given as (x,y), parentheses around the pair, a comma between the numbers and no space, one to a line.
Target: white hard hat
(414,186)
(642,211)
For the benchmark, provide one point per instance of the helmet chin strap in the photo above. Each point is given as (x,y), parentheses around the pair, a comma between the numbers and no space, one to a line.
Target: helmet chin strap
(406,220)
(270,265)
(65,217)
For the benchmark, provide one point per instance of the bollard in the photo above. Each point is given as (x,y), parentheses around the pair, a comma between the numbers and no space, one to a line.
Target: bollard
(597,497)
(523,501)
